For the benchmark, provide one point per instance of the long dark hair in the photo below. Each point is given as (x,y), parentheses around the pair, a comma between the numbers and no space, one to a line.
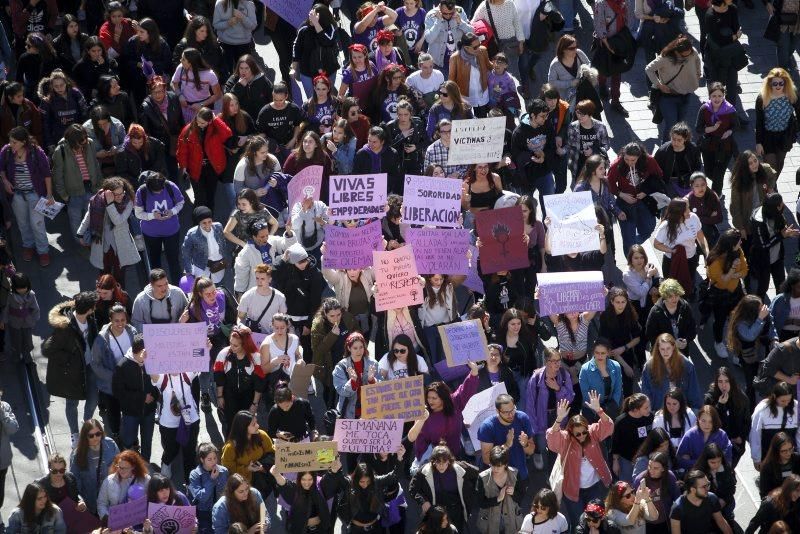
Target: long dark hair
(444,393)
(374,497)
(196,64)
(159,482)
(674,48)
(608,317)
(711,451)
(725,248)
(772,460)
(82,450)
(238,433)
(655,438)
(197,22)
(781,389)
(674,215)
(739,401)
(300,154)
(28,504)
(746,311)
(246,512)
(675,394)
(432,520)
(411,360)
(772,210)
(633,149)
(782,497)
(741,177)
(153,35)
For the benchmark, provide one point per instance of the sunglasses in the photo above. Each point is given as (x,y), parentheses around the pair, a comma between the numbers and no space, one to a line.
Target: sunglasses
(92,435)
(581,434)
(61,471)
(399,351)
(777,83)
(443,94)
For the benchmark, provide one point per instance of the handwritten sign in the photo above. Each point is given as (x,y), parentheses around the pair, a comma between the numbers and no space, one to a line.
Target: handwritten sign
(299,457)
(301,379)
(570,292)
(172,519)
(501,231)
(479,408)
(397,279)
(572,222)
(294,12)
(359,196)
(176,348)
(351,248)
(368,435)
(477,141)
(473,280)
(440,250)
(127,514)
(464,342)
(77,521)
(401,398)
(305,184)
(432,201)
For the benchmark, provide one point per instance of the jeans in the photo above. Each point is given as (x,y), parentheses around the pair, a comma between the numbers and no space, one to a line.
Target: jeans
(31,223)
(673,108)
(307,83)
(639,225)
(76,207)
(171,246)
(785,48)
(228,195)
(522,384)
(567,8)
(89,405)
(143,425)
(546,186)
(573,510)
(434,342)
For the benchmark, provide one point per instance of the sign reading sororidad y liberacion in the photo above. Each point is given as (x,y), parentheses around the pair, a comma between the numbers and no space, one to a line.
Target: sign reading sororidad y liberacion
(432,201)
(304,456)
(368,435)
(440,250)
(396,279)
(570,292)
(351,248)
(401,398)
(477,141)
(572,223)
(464,342)
(360,196)
(176,348)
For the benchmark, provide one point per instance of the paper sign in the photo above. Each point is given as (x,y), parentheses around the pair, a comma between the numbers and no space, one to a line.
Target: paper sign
(128,514)
(473,280)
(351,248)
(501,232)
(77,521)
(294,12)
(176,348)
(440,250)
(48,211)
(172,519)
(305,184)
(432,201)
(299,457)
(464,342)
(570,292)
(397,279)
(301,379)
(451,374)
(368,435)
(477,141)
(479,408)
(358,196)
(572,222)
(401,398)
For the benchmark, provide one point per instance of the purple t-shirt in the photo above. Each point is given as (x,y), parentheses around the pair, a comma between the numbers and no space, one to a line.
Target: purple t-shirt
(360,75)
(161,201)
(214,313)
(389,107)
(367,37)
(322,118)
(412,27)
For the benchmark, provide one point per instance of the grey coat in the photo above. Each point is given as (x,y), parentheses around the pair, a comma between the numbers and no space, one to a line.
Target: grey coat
(104,361)
(241,33)
(507,510)
(116,235)
(21,302)
(436,33)
(145,307)
(8,426)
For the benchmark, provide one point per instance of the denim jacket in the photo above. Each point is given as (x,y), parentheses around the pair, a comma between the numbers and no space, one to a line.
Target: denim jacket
(53,524)
(89,480)
(194,251)
(590,379)
(201,487)
(344,387)
(221,519)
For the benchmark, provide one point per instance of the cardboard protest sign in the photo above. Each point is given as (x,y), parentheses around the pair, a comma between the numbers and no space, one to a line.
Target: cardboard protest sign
(397,279)
(501,233)
(305,184)
(479,408)
(176,348)
(464,342)
(477,141)
(351,248)
(401,398)
(360,196)
(301,379)
(432,201)
(298,457)
(451,374)
(571,292)
(172,519)
(77,521)
(572,222)
(440,250)
(294,12)
(128,514)
(368,435)
(473,280)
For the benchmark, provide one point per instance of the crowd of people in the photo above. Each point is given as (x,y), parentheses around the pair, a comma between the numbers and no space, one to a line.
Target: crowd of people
(133,114)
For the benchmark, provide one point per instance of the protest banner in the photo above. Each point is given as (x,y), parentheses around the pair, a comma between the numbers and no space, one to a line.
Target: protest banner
(479,408)
(464,342)
(301,379)
(77,521)
(351,248)
(440,250)
(432,201)
(299,457)
(360,196)
(176,348)
(451,374)
(294,12)
(396,278)
(305,184)
(401,398)
(172,519)
(473,280)
(572,222)
(571,292)
(477,141)
(502,245)
(368,435)
(127,514)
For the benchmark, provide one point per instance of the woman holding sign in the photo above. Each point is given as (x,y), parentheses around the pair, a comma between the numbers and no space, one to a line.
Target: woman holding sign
(310,511)
(127,477)
(245,452)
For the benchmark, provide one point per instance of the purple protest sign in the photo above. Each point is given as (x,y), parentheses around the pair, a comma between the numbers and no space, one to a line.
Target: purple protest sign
(440,250)
(172,519)
(473,280)
(127,514)
(358,196)
(570,292)
(451,374)
(432,201)
(294,12)
(463,342)
(351,248)
(77,521)
(368,435)
(306,183)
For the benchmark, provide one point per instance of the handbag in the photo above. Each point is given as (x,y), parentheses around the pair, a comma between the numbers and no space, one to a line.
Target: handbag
(556,478)
(216,266)
(255,326)
(655,97)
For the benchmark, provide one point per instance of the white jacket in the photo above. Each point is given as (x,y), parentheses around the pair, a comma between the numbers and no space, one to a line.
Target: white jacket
(763,420)
(243,276)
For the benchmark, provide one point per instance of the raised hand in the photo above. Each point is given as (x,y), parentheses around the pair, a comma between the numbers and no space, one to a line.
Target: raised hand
(562,409)
(594,401)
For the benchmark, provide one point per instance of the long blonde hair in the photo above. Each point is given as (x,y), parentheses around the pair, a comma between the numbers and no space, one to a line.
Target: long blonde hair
(658,369)
(788,88)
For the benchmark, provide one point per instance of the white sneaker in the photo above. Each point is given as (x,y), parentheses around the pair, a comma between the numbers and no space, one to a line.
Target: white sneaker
(721,351)
(538,461)
(74,438)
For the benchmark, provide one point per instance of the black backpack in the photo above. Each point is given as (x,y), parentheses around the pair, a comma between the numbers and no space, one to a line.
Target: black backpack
(167,185)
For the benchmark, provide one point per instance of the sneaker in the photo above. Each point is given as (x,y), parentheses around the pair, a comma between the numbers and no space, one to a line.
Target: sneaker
(721,351)
(44,260)
(205,403)
(27,254)
(538,461)
(74,438)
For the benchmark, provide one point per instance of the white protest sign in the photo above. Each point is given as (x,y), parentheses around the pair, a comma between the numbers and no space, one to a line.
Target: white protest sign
(477,141)
(572,222)
(479,408)
(176,348)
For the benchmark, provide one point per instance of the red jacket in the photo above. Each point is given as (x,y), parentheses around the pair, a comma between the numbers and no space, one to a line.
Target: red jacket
(106,35)
(190,153)
(619,181)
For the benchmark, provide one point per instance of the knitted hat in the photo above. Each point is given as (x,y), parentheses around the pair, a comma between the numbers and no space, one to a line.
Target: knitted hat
(201,213)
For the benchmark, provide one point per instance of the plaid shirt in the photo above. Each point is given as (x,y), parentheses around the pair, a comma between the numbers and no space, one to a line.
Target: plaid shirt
(436,154)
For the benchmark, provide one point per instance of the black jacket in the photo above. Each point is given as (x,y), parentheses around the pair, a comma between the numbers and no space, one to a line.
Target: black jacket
(768,514)
(330,485)
(349,504)
(130,165)
(411,163)
(303,289)
(252,97)
(121,107)
(69,480)
(391,164)
(769,479)
(62,45)
(130,385)
(316,52)
(86,74)
(65,351)
(506,376)
(165,130)
(665,157)
(658,322)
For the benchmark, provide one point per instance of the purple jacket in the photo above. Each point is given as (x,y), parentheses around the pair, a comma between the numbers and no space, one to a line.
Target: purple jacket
(440,426)
(537,397)
(692,445)
(38,165)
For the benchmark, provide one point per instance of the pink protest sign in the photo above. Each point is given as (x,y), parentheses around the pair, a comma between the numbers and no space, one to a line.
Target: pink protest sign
(172,519)
(368,435)
(440,250)
(432,201)
(351,248)
(127,514)
(358,196)
(473,280)
(305,184)
(396,278)
(503,248)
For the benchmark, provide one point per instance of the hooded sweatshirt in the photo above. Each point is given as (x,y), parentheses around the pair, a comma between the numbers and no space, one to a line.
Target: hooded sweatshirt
(528,139)
(146,307)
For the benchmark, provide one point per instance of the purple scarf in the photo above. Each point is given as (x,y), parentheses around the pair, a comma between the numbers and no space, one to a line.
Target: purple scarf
(381,61)
(724,109)
(97,213)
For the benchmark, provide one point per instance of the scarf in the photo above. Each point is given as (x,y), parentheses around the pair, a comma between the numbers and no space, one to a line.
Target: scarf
(162,107)
(618,6)
(97,213)
(469,58)
(382,62)
(725,109)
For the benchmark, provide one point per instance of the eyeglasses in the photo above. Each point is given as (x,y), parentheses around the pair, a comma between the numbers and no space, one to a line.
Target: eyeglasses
(93,435)
(705,486)
(399,351)
(444,131)
(580,434)
(54,471)
(557,360)
(777,83)
(508,412)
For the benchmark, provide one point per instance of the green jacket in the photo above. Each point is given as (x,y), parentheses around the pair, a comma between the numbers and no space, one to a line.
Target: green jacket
(67,178)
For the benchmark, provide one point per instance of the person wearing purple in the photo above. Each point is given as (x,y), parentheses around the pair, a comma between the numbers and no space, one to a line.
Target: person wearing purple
(372,18)
(359,70)
(411,21)
(158,204)
(500,80)
(707,430)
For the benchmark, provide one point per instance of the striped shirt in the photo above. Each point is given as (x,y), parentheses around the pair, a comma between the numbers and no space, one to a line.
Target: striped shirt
(81,160)
(22,178)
